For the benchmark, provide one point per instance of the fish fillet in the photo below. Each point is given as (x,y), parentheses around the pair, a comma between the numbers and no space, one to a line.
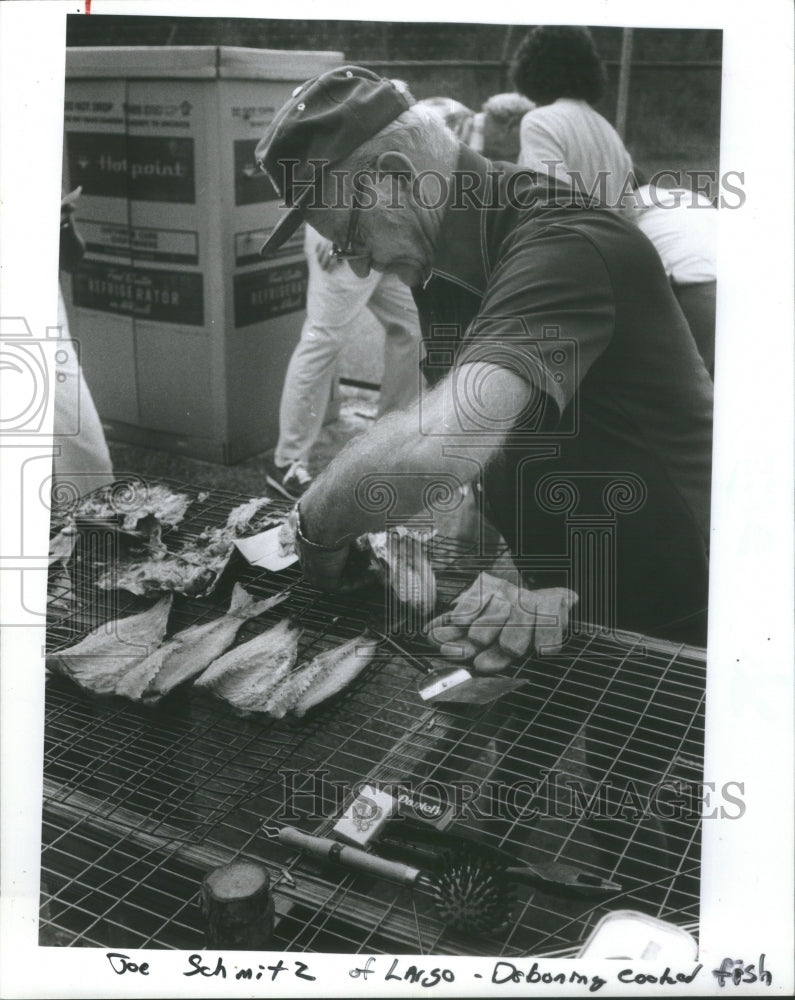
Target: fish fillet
(247,674)
(323,676)
(102,658)
(190,652)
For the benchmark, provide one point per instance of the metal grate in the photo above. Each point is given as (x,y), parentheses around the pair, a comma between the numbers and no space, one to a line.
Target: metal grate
(139,804)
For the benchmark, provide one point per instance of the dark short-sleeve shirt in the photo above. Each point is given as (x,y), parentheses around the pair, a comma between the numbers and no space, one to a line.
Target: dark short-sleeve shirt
(604,480)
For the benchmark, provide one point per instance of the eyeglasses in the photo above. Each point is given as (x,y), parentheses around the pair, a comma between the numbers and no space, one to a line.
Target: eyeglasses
(348,252)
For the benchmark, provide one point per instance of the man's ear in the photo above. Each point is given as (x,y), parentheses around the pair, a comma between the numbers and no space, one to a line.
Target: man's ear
(397,164)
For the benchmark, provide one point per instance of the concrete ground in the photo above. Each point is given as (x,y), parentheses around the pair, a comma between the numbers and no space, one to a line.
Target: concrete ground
(357,414)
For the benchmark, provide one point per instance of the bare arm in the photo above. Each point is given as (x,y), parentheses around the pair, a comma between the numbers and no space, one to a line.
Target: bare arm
(452,431)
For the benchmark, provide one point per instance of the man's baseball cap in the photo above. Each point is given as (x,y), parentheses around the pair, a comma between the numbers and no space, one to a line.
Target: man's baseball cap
(324,121)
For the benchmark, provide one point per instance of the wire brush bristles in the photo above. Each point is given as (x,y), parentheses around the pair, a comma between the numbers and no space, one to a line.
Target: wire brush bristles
(471,892)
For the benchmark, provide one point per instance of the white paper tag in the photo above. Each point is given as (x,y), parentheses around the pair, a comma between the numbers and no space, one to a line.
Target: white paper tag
(263,550)
(429,689)
(363,819)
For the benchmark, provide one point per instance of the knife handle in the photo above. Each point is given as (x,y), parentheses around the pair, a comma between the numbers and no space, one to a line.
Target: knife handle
(350,857)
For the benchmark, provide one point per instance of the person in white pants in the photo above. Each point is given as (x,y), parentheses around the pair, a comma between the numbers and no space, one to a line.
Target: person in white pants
(335,299)
(81,460)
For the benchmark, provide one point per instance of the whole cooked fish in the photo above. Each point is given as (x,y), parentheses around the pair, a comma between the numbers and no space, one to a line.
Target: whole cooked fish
(190,652)
(323,676)
(106,654)
(247,674)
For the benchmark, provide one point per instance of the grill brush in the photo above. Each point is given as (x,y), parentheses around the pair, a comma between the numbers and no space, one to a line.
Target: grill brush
(471,893)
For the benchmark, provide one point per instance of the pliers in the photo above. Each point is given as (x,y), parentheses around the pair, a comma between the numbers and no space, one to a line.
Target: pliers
(560,876)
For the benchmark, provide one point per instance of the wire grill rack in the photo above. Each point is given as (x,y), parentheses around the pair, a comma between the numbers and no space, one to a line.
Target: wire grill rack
(140,803)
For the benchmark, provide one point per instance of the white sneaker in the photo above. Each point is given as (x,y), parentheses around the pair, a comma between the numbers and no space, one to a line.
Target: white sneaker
(291,480)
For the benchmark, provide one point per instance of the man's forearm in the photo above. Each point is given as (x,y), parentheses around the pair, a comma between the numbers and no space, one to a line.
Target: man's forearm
(388,472)
(413,456)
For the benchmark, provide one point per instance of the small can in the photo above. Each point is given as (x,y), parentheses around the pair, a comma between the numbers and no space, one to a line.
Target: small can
(238,907)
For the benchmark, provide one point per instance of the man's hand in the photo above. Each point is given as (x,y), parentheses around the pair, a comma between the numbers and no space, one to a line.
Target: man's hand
(494,622)
(324,255)
(335,569)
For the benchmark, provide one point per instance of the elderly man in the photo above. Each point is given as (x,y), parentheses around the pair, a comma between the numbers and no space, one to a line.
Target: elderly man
(562,379)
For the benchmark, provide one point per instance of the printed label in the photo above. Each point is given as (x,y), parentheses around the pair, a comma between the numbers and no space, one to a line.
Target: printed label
(249,244)
(142,293)
(140,168)
(173,246)
(275,291)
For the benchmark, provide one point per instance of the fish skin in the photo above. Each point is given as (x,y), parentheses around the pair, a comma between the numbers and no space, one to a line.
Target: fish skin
(246,675)
(324,675)
(99,660)
(191,651)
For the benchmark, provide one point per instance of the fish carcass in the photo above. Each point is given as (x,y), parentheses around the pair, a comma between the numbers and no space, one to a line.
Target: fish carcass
(150,576)
(322,677)
(99,661)
(246,676)
(135,502)
(400,557)
(190,652)
(195,568)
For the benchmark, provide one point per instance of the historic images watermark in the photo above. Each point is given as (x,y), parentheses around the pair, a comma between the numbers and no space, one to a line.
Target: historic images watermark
(326,186)
(314,795)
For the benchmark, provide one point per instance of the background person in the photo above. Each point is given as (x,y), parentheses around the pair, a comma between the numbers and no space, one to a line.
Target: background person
(558,67)
(335,300)
(457,116)
(492,131)
(82,461)
(498,125)
(683,226)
